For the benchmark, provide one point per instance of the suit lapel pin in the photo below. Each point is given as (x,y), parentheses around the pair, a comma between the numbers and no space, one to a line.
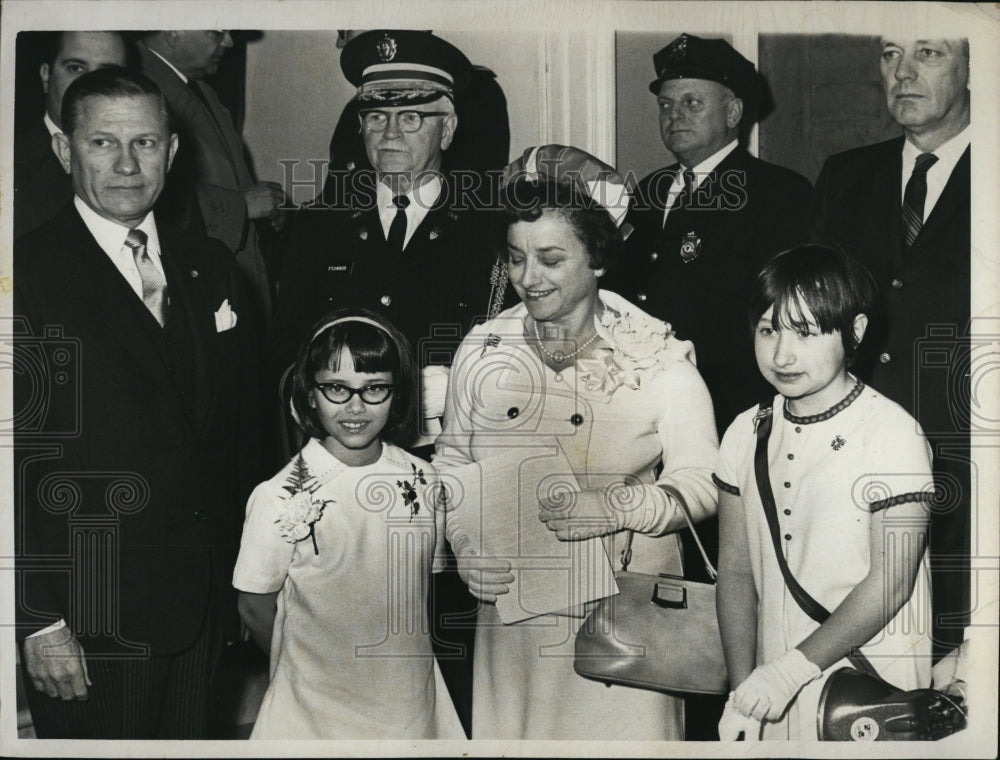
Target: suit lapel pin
(435,233)
(690,247)
(363,233)
(453,216)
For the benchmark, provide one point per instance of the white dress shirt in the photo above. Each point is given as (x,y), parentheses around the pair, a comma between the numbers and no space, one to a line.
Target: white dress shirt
(938,175)
(110,236)
(422,199)
(700,171)
(173,68)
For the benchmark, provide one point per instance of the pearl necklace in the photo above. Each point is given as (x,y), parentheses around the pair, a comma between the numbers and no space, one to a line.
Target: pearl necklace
(560,356)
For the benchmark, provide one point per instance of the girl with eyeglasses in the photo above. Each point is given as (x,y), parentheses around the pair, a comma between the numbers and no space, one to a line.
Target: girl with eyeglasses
(338,548)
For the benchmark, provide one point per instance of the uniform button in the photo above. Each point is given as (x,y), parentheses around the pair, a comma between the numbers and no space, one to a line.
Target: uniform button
(199,515)
(788,511)
(787,484)
(798,429)
(385,300)
(896,283)
(576,419)
(171,369)
(513,412)
(788,536)
(641,296)
(194,273)
(791,456)
(654,256)
(884,357)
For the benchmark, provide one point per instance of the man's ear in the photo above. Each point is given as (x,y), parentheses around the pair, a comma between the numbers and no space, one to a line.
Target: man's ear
(448,133)
(860,325)
(60,144)
(599,272)
(172,150)
(734,112)
(43,72)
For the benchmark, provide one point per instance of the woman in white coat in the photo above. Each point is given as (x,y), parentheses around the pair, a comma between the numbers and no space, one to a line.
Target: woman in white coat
(584,377)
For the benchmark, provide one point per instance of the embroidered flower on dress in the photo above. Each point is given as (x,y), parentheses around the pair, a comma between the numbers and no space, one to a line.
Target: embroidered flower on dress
(637,347)
(409,490)
(837,443)
(300,511)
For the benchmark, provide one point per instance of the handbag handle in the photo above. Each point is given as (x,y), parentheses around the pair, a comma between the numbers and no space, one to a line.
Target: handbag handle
(762,425)
(676,494)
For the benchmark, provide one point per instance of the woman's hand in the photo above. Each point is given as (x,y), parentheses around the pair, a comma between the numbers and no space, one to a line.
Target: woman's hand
(582,514)
(486,577)
(733,723)
(767,692)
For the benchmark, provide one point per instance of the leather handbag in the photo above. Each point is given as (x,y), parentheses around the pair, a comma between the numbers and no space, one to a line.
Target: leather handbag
(660,632)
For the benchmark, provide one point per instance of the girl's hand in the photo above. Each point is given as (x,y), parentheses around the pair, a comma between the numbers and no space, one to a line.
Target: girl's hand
(486,577)
(767,692)
(579,515)
(733,723)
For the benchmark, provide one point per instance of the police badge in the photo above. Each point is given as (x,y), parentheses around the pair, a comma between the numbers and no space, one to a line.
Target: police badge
(386,48)
(690,247)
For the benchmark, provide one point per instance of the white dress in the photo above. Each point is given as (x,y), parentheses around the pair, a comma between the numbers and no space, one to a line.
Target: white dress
(828,476)
(502,395)
(350,655)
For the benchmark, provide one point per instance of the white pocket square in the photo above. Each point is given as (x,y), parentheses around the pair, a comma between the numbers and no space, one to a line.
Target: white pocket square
(225,317)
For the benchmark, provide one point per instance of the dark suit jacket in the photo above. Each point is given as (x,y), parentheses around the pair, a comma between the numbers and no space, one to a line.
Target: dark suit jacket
(206,184)
(41,186)
(129,497)
(338,257)
(742,215)
(916,353)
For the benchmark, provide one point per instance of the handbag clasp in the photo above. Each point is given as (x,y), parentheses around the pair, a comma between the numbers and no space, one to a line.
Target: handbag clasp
(669,595)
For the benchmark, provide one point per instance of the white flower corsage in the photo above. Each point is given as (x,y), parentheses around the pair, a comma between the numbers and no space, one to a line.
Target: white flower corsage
(638,347)
(301,510)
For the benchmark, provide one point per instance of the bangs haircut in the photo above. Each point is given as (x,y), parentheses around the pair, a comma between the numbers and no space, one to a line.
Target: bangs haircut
(373,350)
(524,200)
(835,287)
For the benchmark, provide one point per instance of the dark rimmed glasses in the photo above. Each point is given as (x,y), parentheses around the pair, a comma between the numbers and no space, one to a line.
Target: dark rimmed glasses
(336,393)
(408,121)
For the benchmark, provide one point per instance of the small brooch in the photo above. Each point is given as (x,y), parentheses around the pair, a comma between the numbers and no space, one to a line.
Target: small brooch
(363,233)
(492,341)
(837,443)
(409,490)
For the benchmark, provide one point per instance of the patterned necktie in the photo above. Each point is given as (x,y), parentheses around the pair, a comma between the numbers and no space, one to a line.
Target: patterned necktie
(397,230)
(154,286)
(913,198)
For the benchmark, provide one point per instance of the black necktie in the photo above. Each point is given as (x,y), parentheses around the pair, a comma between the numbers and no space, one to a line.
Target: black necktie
(914,196)
(397,230)
(154,286)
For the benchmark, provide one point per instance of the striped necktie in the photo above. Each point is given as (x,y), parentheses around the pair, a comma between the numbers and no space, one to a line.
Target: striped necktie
(914,196)
(154,285)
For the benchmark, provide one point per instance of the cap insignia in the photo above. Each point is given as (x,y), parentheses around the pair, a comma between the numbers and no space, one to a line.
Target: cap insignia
(678,50)
(386,48)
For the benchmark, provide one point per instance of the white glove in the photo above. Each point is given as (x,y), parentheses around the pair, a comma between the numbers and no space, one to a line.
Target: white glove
(768,691)
(733,723)
(433,391)
(486,577)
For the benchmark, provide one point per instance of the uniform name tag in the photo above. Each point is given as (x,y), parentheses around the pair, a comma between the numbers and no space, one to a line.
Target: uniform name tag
(339,268)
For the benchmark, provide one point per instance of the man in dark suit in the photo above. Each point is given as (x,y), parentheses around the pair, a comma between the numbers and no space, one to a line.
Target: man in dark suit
(131,473)
(903,208)
(703,227)
(41,187)
(212,187)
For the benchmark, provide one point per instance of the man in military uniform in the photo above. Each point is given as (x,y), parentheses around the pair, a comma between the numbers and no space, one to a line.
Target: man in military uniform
(705,226)
(402,239)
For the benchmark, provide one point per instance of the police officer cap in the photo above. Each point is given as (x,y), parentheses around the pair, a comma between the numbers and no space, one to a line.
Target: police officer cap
(690,57)
(397,67)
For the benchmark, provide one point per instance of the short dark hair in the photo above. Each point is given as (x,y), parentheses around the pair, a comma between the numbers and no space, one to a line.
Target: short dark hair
(835,286)
(524,200)
(110,82)
(50,43)
(374,349)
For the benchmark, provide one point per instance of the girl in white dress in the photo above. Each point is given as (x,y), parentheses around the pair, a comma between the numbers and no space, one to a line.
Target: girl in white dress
(851,478)
(337,551)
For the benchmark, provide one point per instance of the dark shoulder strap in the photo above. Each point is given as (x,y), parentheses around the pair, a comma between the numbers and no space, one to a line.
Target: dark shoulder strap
(763,421)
